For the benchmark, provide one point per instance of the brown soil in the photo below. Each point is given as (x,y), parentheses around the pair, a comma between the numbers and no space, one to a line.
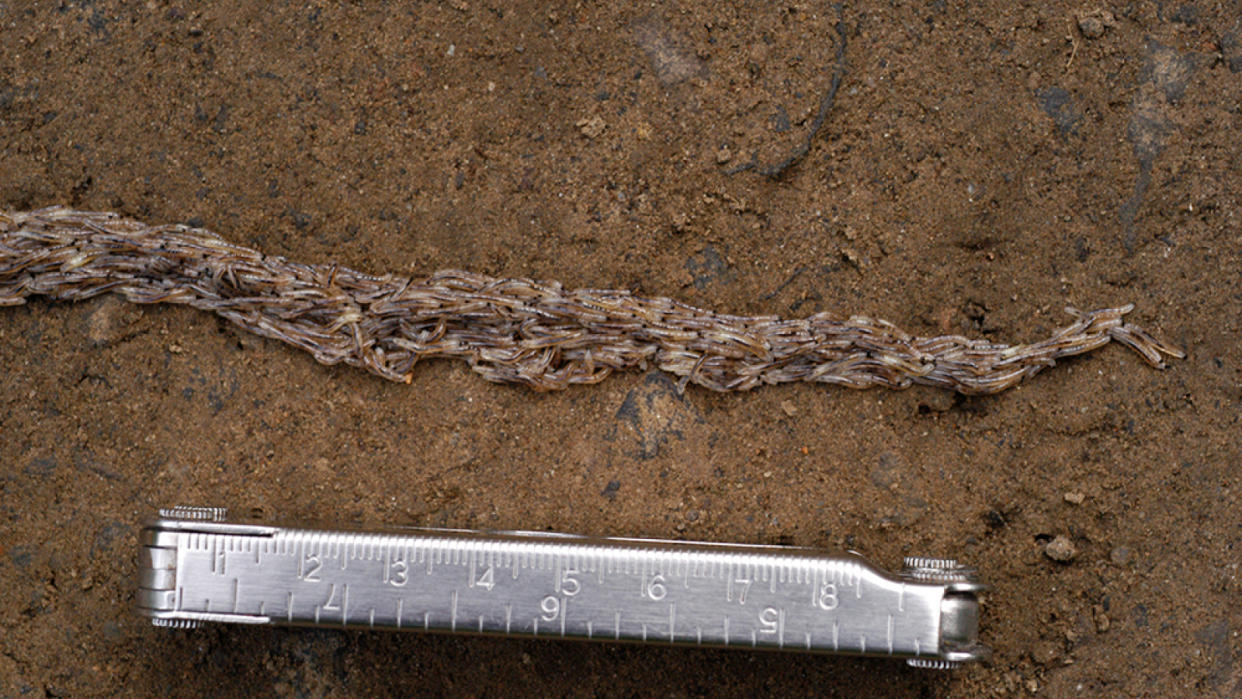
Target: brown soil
(981,167)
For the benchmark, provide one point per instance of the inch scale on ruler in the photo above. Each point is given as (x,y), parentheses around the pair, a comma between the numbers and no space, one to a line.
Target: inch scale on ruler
(195,567)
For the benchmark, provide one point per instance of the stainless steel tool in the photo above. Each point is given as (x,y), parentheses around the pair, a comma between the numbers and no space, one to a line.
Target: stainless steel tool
(195,567)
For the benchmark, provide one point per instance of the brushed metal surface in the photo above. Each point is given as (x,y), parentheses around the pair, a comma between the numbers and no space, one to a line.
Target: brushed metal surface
(558,586)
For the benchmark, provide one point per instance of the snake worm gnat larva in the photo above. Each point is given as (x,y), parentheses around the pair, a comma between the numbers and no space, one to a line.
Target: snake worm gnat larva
(509,330)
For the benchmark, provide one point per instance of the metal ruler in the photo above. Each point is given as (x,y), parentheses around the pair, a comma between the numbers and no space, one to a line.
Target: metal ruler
(196,567)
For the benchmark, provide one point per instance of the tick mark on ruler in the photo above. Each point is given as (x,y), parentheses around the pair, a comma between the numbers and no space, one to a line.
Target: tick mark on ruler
(453,619)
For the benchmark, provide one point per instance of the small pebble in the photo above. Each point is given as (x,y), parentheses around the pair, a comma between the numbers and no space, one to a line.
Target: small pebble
(591,127)
(1075,498)
(1101,618)
(1094,24)
(110,321)
(1061,550)
(1091,27)
(789,408)
(1120,555)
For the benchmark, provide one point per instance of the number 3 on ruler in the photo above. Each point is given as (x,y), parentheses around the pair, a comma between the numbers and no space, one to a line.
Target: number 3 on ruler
(397,573)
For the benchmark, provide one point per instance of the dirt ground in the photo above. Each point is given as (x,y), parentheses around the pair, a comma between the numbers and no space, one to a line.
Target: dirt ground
(982,166)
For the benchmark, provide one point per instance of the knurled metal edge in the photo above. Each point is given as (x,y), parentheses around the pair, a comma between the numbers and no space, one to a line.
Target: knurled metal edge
(194,513)
(933,664)
(936,570)
(176,623)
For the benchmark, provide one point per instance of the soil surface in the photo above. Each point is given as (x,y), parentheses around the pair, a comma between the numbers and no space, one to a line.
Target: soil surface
(981,166)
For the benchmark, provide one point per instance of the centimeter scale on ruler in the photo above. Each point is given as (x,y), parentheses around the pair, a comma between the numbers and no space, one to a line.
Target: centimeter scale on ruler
(194,567)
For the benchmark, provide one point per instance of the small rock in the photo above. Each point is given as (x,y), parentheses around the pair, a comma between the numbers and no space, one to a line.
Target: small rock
(681,222)
(1046,652)
(610,490)
(1061,550)
(1094,24)
(1075,498)
(1120,555)
(724,155)
(1101,618)
(592,127)
(851,256)
(1091,27)
(110,322)
(789,408)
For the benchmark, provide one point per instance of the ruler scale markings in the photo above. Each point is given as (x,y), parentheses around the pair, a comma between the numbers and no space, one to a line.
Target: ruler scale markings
(595,575)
